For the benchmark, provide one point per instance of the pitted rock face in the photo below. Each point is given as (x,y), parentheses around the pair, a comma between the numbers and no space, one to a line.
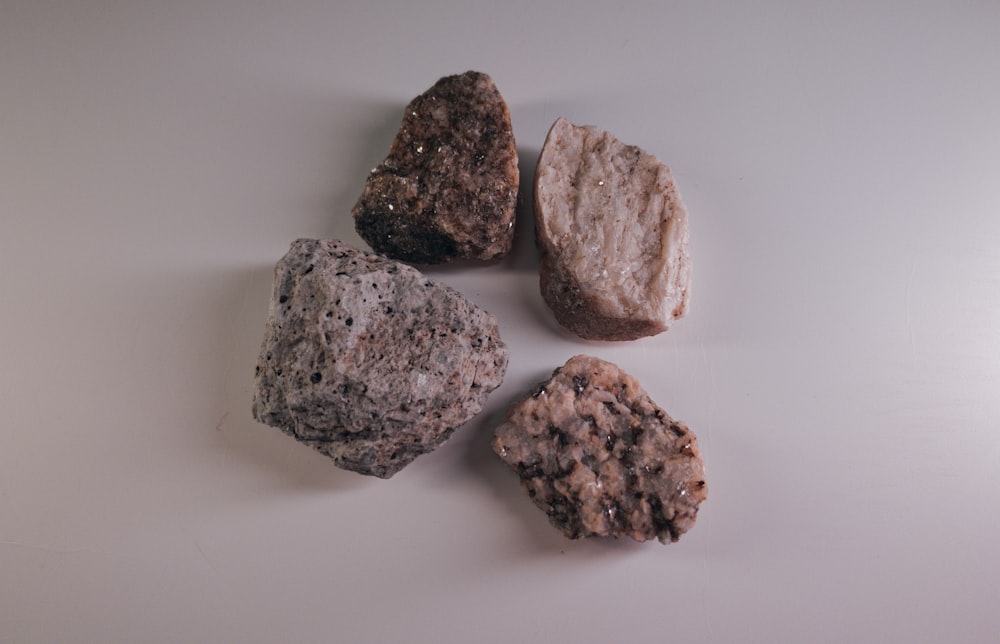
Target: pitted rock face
(613,236)
(448,188)
(600,458)
(368,361)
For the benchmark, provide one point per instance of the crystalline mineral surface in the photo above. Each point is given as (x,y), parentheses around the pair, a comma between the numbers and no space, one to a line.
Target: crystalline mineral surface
(448,188)
(368,361)
(597,455)
(613,236)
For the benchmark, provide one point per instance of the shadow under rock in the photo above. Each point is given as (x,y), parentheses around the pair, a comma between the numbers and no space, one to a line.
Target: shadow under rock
(295,466)
(239,325)
(368,149)
(543,539)
(524,257)
(524,252)
(531,298)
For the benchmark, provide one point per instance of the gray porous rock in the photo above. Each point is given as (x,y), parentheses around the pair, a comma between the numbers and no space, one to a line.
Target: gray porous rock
(448,188)
(597,455)
(368,361)
(613,236)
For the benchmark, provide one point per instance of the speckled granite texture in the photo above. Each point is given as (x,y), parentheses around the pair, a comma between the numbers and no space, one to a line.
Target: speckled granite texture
(597,455)
(448,188)
(368,361)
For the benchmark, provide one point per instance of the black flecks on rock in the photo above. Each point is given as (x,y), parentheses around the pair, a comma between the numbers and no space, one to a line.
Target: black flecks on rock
(595,469)
(351,410)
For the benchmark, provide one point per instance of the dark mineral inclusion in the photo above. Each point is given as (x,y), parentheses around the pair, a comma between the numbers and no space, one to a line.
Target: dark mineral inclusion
(597,455)
(448,189)
(368,361)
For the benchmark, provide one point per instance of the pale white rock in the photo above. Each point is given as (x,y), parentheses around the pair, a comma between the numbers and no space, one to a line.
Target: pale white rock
(613,236)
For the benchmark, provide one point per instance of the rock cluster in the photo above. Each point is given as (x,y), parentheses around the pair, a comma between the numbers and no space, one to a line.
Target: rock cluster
(373,364)
(597,455)
(368,361)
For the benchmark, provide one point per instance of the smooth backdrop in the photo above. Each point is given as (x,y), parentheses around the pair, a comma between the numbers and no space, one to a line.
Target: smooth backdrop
(840,363)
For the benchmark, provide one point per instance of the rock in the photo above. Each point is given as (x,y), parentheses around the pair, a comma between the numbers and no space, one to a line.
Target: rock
(368,361)
(597,455)
(448,188)
(613,236)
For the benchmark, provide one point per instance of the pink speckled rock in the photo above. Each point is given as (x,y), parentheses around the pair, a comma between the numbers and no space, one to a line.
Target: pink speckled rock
(597,455)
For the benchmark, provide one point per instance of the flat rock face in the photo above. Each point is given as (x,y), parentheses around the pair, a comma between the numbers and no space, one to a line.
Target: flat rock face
(448,188)
(368,361)
(613,236)
(600,458)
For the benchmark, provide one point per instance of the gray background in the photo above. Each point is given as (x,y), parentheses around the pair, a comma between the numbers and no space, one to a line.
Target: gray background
(840,363)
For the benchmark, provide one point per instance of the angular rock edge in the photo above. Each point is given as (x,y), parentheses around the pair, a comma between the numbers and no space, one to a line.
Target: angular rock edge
(600,458)
(368,361)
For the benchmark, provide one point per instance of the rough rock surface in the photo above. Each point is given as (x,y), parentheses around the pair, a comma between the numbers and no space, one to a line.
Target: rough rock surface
(368,361)
(613,236)
(448,188)
(600,458)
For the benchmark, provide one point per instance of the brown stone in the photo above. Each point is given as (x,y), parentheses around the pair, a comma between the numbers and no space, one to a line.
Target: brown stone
(448,188)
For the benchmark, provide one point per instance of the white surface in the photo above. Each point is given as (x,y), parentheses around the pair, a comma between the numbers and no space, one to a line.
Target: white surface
(840,363)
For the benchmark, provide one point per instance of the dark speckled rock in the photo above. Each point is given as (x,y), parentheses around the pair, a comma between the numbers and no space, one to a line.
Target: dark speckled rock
(368,361)
(600,458)
(448,188)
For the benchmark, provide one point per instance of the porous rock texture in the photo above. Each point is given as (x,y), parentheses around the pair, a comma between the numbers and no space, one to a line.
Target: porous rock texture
(613,236)
(600,458)
(368,361)
(448,188)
